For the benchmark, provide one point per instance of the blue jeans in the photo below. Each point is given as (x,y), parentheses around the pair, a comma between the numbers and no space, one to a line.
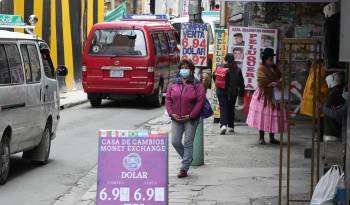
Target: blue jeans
(184,131)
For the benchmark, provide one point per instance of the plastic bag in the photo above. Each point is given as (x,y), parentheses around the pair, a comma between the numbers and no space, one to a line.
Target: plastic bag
(326,187)
(277,94)
(340,193)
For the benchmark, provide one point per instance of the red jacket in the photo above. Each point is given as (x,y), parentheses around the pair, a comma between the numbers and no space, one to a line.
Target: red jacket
(185,99)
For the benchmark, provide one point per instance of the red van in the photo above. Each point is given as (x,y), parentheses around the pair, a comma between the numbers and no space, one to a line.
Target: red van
(130,58)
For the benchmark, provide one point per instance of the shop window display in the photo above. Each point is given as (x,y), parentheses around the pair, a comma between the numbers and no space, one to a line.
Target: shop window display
(293,20)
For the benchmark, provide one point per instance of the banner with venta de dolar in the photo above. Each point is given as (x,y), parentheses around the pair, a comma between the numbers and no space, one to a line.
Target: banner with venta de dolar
(194,43)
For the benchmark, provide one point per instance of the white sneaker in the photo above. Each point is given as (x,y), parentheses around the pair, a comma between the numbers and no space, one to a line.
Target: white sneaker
(231,130)
(223,130)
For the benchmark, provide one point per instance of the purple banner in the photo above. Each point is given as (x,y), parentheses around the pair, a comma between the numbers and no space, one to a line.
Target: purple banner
(132,168)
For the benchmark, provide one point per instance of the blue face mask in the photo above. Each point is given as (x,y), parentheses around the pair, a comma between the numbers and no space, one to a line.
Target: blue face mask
(185,73)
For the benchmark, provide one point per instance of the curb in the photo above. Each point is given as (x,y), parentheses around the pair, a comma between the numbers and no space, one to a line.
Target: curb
(69,105)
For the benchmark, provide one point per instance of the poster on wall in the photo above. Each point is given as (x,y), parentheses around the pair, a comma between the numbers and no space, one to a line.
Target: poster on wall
(194,43)
(132,168)
(220,50)
(247,44)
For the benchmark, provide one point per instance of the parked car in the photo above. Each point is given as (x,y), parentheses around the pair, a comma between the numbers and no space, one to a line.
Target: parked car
(130,58)
(29,99)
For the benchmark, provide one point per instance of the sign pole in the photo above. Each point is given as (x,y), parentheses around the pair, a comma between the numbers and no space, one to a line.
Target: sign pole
(195,13)
(347,157)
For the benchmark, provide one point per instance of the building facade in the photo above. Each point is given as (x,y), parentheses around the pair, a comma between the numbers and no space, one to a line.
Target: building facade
(171,7)
(64,25)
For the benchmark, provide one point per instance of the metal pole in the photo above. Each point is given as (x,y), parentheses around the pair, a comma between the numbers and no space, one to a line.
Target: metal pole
(198,145)
(288,117)
(318,47)
(195,11)
(281,139)
(347,149)
(223,14)
(314,121)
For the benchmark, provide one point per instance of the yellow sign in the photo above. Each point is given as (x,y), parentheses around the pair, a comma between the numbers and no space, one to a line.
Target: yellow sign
(220,50)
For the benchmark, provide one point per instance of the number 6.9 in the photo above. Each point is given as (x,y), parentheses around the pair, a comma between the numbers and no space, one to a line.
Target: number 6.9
(115,193)
(150,194)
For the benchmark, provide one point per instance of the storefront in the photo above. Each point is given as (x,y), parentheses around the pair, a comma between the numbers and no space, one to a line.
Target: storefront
(314,20)
(344,56)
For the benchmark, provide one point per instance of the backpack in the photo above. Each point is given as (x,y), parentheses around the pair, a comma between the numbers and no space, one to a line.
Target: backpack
(220,77)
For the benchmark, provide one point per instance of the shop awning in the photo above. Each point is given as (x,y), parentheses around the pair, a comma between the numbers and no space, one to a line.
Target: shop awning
(117,13)
(287,1)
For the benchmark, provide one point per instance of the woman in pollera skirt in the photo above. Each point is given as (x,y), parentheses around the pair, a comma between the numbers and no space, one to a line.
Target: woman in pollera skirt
(264,113)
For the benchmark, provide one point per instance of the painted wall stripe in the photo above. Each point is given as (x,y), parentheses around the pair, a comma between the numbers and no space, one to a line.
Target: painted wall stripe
(38,11)
(75,19)
(18,9)
(90,14)
(47,21)
(95,11)
(53,42)
(28,9)
(7,8)
(59,31)
(84,20)
(101,11)
(67,39)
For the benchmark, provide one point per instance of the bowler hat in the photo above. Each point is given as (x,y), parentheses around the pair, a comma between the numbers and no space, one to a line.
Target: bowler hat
(268,52)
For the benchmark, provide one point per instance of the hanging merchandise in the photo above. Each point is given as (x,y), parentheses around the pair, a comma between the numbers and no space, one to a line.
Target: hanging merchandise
(326,188)
(277,94)
(308,96)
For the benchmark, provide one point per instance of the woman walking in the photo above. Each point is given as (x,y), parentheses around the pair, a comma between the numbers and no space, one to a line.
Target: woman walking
(184,103)
(264,113)
(227,96)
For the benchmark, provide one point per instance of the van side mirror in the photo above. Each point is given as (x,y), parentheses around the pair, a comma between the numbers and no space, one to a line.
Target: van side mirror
(62,71)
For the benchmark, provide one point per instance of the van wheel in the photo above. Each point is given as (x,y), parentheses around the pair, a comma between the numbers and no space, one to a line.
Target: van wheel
(40,154)
(4,160)
(156,99)
(96,102)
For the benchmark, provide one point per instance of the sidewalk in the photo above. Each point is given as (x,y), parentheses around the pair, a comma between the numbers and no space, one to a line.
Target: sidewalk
(237,170)
(72,98)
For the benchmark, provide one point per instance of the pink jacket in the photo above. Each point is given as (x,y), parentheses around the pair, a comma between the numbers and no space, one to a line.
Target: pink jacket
(185,99)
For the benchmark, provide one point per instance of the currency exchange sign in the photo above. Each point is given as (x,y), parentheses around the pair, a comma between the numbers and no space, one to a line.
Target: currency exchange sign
(132,168)
(194,43)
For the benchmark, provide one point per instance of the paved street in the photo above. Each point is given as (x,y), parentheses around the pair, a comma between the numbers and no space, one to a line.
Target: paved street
(73,155)
(237,170)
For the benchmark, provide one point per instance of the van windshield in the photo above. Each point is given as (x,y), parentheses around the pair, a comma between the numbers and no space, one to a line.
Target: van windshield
(118,42)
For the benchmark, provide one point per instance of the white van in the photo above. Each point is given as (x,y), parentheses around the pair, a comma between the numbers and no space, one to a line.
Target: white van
(29,98)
